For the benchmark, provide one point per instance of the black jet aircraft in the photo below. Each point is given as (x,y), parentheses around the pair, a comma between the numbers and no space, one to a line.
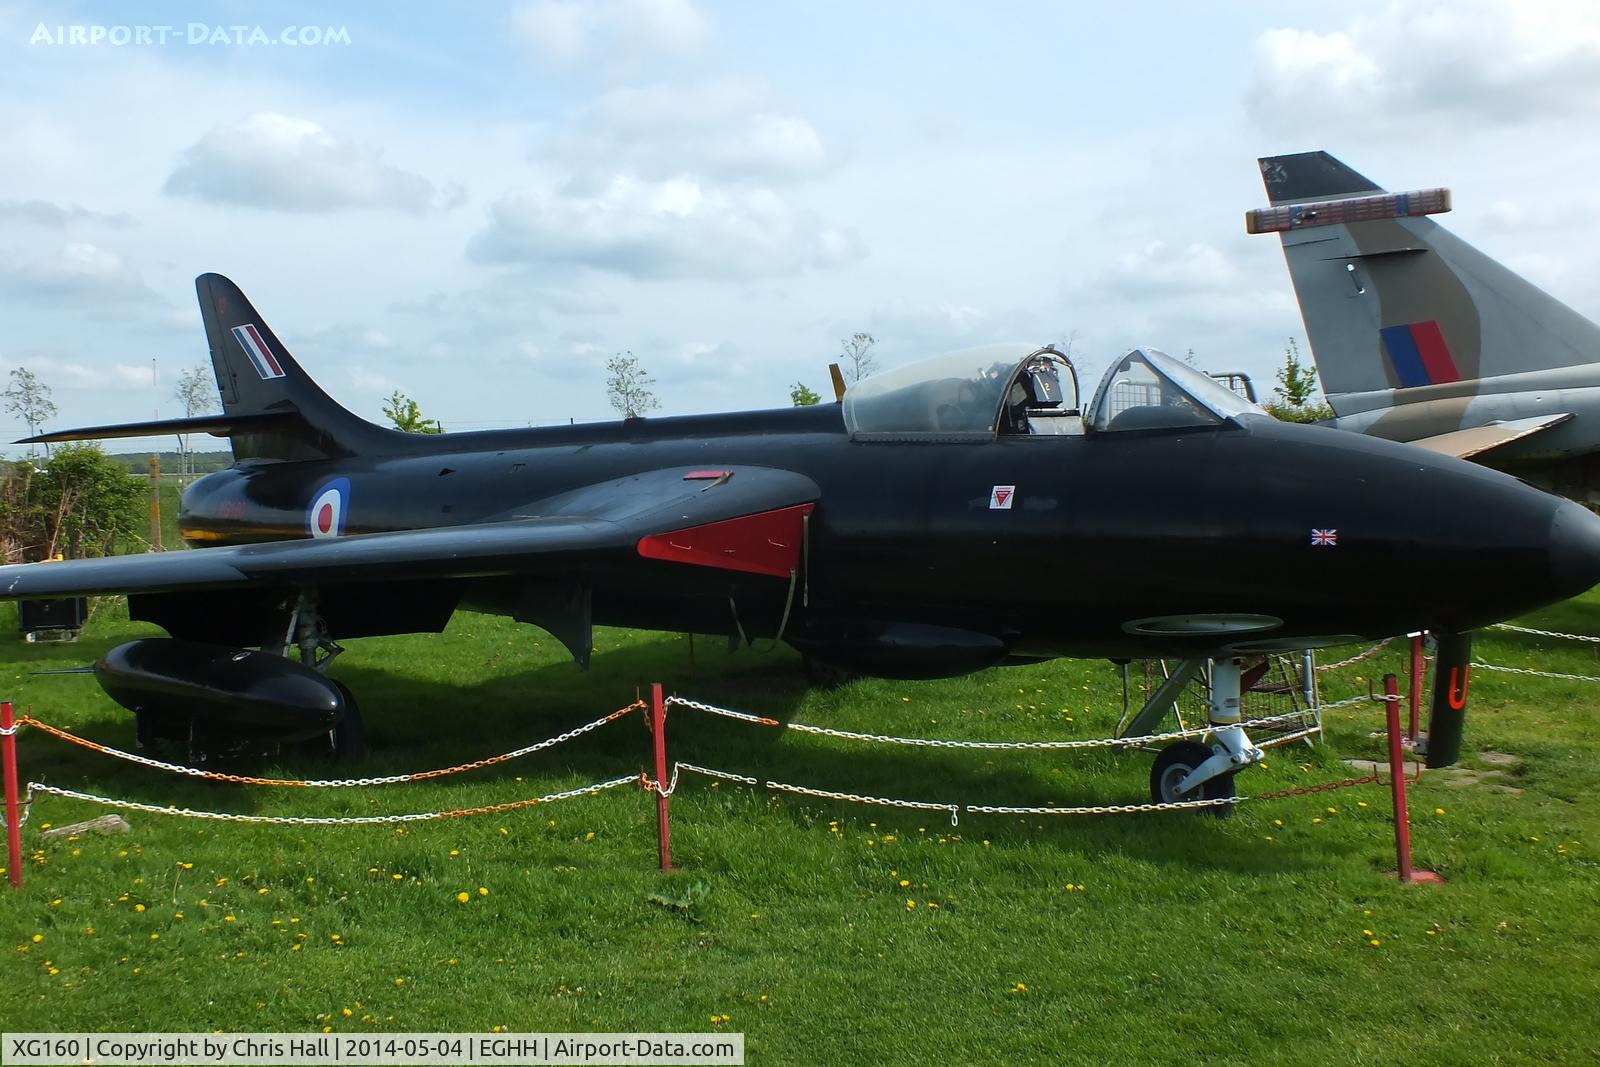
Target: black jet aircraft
(945,517)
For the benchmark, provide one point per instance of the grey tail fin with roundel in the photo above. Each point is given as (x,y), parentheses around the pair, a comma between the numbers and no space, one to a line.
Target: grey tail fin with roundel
(1395,304)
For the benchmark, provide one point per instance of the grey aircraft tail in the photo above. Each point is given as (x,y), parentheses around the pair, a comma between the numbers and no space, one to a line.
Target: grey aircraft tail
(1398,310)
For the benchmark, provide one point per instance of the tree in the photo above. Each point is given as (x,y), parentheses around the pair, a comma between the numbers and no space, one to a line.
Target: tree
(803,396)
(82,503)
(197,396)
(404,413)
(856,356)
(29,400)
(628,387)
(1297,393)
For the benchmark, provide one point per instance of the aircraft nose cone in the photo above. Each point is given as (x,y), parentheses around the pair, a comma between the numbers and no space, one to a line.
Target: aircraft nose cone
(1574,549)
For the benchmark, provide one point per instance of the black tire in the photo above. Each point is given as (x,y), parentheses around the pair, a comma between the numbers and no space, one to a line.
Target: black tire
(824,675)
(348,738)
(1177,760)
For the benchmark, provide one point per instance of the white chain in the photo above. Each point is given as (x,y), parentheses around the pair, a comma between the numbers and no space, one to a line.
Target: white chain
(954,810)
(926,742)
(7,731)
(344,783)
(1357,658)
(1545,633)
(1535,674)
(301,820)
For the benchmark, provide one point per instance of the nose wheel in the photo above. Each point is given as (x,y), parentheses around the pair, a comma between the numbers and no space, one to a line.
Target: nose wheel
(1178,761)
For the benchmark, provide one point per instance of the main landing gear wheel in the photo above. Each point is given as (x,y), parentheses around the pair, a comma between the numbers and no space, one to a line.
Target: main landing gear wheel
(348,738)
(825,675)
(1174,763)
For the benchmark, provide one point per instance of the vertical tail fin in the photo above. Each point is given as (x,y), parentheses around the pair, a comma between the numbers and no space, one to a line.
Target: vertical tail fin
(257,375)
(1392,301)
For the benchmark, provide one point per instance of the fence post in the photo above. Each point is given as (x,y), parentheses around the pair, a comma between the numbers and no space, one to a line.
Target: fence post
(658,727)
(8,754)
(1397,786)
(1416,689)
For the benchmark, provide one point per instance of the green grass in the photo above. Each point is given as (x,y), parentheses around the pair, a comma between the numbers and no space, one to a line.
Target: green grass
(1236,940)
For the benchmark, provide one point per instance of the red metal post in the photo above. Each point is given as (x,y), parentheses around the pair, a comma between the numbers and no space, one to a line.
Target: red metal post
(8,754)
(658,726)
(1416,688)
(1397,778)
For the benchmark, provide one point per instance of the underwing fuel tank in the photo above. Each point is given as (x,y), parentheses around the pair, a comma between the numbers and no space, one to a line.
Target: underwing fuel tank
(212,688)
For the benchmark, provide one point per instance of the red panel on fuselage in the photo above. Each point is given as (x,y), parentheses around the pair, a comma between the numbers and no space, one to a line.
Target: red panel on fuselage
(767,542)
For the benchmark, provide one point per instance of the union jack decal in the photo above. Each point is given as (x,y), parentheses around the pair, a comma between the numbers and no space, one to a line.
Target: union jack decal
(1325,538)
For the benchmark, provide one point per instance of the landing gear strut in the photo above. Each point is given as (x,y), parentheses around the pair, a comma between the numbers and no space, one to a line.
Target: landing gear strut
(1188,770)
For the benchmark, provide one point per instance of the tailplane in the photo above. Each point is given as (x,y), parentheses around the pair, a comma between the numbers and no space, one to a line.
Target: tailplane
(1393,302)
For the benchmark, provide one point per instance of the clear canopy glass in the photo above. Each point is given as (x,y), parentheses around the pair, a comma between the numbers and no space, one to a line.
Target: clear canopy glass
(978,392)
(957,395)
(1147,389)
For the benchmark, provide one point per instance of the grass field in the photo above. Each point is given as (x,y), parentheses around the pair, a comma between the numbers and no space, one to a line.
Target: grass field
(826,932)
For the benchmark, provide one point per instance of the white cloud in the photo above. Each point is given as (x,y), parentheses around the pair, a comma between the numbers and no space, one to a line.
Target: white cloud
(677,228)
(270,160)
(58,216)
(78,270)
(1499,62)
(731,128)
(567,30)
(78,376)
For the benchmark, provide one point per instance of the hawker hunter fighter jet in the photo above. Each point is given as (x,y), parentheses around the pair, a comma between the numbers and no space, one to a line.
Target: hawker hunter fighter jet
(1420,337)
(947,516)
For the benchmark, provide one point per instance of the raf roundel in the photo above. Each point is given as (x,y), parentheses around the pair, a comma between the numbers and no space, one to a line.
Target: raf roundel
(326,516)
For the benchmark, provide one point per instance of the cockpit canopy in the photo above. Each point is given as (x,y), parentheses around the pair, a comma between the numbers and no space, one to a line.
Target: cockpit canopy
(1147,389)
(976,393)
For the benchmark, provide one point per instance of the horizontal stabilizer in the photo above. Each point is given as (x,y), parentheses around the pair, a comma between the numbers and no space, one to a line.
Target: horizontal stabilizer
(1475,440)
(215,425)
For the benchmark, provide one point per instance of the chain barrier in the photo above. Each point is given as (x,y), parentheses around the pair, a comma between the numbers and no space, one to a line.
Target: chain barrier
(954,810)
(309,820)
(1535,674)
(1545,633)
(927,742)
(1357,658)
(331,783)
(9,731)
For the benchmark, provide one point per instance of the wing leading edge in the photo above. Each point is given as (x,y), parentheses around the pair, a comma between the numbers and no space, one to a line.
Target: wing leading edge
(606,518)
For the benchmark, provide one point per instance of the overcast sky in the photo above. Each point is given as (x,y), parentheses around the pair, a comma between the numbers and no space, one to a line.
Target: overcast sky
(479,206)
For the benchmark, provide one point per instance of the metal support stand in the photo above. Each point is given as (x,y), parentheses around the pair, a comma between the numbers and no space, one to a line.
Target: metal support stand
(1155,709)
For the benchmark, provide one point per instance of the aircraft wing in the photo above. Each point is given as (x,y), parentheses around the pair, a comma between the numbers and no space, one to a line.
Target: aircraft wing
(1475,440)
(626,516)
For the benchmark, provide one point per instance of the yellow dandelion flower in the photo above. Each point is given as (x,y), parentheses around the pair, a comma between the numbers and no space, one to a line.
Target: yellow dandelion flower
(261,892)
(589,836)
(1316,822)
(295,947)
(1020,987)
(397,877)
(483,891)
(503,830)
(227,918)
(455,852)
(327,1029)
(1366,933)
(155,937)
(346,1012)
(37,938)
(1438,811)
(910,904)
(138,907)
(1374,942)
(399,981)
